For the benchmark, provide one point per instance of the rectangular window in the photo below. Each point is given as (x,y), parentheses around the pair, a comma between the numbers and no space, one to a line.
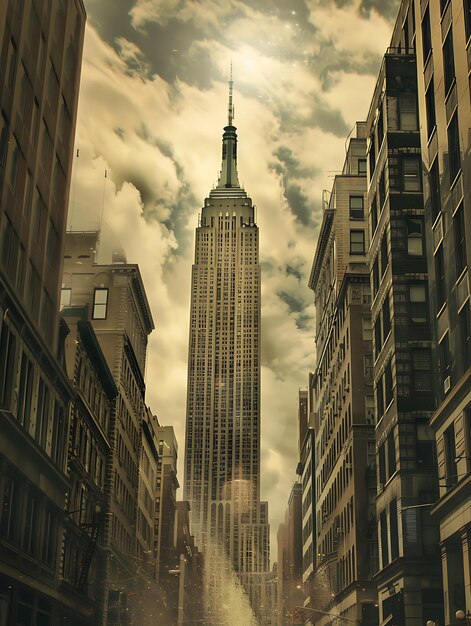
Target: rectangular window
(374,215)
(42,414)
(394,530)
(384,539)
(382,189)
(356,207)
(372,156)
(454,155)
(66,295)
(10,519)
(460,240)
(30,533)
(386,318)
(378,335)
(380,398)
(408,112)
(421,369)
(444,353)
(411,174)
(384,253)
(380,125)
(25,392)
(49,540)
(100,304)
(391,454)
(415,237)
(375,276)
(448,61)
(418,304)
(388,384)
(362,167)
(465,336)
(357,242)
(440,277)
(430,109)
(7,365)
(451,468)
(382,464)
(426,35)
(435,200)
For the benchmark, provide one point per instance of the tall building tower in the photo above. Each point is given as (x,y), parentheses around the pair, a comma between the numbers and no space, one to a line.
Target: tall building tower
(222,454)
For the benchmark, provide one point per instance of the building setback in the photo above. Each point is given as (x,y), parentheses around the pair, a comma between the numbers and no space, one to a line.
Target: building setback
(40,57)
(121,319)
(409,576)
(443,65)
(222,453)
(343,402)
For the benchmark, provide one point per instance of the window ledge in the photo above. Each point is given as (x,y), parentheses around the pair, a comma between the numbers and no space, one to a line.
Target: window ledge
(441,310)
(432,135)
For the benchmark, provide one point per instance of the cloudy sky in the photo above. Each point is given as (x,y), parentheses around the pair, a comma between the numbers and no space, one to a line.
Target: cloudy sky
(152,108)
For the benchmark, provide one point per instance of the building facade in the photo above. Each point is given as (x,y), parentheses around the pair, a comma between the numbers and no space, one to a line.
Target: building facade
(443,65)
(409,576)
(120,315)
(40,57)
(342,581)
(222,454)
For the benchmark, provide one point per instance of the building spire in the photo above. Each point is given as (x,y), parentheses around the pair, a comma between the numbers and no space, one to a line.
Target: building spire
(228,177)
(230,110)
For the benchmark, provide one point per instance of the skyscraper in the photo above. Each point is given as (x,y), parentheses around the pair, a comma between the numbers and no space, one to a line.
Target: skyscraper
(222,454)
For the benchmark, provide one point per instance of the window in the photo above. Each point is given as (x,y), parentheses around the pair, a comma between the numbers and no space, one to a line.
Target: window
(411,174)
(374,215)
(375,276)
(451,469)
(408,112)
(421,366)
(454,147)
(465,336)
(415,237)
(356,207)
(435,201)
(378,335)
(380,125)
(460,240)
(357,242)
(10,519)
(66,295)
(426,453)
(388,384)
(3,140)
(25,393)
(362,167)
(418,304)
(386,318)
(444,353)
(391,454)
(30,533)
(49,540)
(7,365)
(382,190)
(393,527)
(42,414)
(372,155)
(448,61)
(426,35)
(440,277)
(382,463)
(100,304)
(380,398)
(384,253)
(430,108)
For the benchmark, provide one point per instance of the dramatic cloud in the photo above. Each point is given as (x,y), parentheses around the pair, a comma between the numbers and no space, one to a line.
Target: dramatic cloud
(152,110)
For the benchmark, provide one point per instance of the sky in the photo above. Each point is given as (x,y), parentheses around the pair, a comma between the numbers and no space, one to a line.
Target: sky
(152,107)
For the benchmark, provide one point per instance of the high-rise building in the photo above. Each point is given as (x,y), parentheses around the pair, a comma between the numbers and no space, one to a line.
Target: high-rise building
(343,402)
(409,574)
(41,49)
(222,454)
(443,65)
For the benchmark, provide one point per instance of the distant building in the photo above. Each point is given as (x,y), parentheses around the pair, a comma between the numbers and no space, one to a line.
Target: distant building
(290,559)
(41,46)
(442,43)
(344,420)
(409,576)
(306,471)
(121,319)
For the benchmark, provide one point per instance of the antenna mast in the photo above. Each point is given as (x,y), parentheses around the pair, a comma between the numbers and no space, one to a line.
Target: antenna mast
(230,110)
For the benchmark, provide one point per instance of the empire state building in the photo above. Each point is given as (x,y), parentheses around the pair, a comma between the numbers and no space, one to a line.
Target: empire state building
(222,454)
